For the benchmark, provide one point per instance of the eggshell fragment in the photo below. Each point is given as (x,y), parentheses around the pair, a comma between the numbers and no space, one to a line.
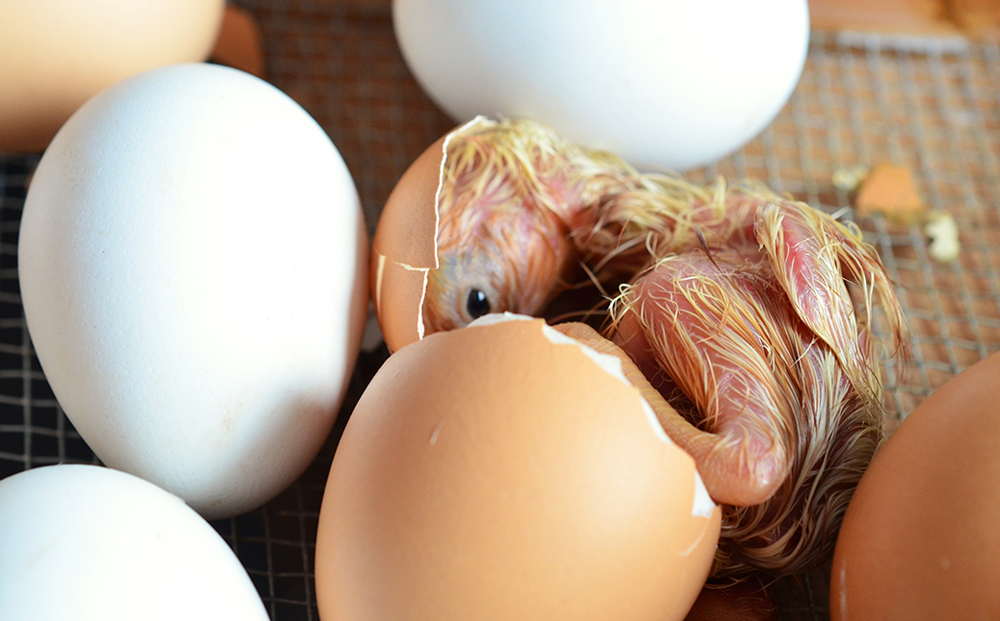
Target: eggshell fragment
(920,537)
(891,191)
(505,471)
(943,234)
(93,544)
(193,266)
(59,53)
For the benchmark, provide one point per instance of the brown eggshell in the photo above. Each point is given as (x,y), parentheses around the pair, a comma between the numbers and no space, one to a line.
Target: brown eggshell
(921,538)
(408,226)
(398,312)
(405,247)
(59,53)
(492,472)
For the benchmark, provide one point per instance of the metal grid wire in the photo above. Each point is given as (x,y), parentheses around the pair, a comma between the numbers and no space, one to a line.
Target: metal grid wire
(930,104)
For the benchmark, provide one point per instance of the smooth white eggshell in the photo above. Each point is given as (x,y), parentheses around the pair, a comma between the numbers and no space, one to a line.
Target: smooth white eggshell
(94,544)
(192,262)
(663,83)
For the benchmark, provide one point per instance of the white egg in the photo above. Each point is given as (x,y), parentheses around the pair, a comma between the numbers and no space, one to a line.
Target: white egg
(192,262)
(93,544)
(664,83)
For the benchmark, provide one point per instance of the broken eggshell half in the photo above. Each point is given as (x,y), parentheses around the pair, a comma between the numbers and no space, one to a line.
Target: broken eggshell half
(505,470)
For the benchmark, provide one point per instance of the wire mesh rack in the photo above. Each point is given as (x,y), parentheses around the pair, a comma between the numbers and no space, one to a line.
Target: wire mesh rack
(930,104)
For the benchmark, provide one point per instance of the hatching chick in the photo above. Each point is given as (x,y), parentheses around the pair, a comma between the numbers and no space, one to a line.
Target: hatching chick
(738,324)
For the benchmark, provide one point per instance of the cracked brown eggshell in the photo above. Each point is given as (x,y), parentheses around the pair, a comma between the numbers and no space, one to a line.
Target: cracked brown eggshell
(504,471)
(405,248)
(920,538)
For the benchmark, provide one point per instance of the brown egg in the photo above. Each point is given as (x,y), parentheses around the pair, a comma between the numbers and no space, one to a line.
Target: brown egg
(921,537)
(59,53)
(405,248)
(504,471)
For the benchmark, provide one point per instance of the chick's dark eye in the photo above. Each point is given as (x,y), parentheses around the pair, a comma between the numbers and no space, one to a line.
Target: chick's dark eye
(477,304)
